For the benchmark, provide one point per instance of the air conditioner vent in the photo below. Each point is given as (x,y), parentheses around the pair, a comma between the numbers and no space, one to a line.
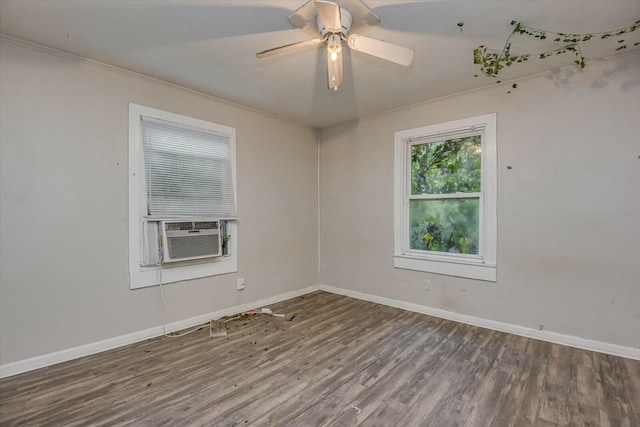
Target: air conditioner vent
(186,240)
(207,225)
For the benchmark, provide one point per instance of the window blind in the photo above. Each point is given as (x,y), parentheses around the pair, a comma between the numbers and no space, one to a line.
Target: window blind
(188,171)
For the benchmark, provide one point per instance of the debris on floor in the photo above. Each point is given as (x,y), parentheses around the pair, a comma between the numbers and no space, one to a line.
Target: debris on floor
(219,327)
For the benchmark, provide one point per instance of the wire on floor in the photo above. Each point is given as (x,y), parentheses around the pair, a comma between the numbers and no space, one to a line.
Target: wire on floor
(212,334)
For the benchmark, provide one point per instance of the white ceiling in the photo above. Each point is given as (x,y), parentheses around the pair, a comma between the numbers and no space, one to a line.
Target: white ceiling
(210,46)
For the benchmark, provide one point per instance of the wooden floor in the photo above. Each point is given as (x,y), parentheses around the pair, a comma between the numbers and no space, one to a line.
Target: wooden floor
(340,362)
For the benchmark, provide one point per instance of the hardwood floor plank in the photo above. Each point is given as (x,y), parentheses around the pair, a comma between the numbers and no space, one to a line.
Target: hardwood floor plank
(340,362)
(583,402)
(631,387)
(390,409)
(538,354)
(554,407)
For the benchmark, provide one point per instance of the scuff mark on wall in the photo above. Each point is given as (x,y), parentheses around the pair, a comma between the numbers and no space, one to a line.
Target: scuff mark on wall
(446,299)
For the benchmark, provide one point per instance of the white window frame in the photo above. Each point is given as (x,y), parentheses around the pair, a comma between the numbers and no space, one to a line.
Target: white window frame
(482,266)
(145,276)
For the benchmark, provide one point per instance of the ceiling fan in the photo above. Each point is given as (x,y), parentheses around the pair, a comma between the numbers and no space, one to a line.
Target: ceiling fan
(331,23)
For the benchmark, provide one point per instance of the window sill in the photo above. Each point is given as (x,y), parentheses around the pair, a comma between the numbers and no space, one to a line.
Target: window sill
(458,267)
(150,276)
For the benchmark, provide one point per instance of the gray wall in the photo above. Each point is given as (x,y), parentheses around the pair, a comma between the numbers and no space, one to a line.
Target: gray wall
(64,195)
(568,210)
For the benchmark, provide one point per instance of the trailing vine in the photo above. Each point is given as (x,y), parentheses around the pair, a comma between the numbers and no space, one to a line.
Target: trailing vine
(492,63)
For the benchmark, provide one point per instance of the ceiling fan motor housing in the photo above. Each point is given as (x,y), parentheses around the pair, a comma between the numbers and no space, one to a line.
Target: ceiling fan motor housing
(345,21)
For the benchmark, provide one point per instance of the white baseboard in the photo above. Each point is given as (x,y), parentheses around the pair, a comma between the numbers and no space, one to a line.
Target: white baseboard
(30,364)
(554,337)
(37,362)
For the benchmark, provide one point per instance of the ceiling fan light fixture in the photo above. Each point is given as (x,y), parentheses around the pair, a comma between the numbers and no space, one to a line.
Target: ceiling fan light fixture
(334,47)
(334,68)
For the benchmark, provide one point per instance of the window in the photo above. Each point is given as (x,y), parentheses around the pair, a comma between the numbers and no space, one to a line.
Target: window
(445,198)
(180,169)
(187,171)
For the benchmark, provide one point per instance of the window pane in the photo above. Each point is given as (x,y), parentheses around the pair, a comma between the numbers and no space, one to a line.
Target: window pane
(445,225)
(445,167)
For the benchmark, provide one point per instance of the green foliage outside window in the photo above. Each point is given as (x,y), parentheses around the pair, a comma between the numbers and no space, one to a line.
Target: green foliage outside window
(446,167)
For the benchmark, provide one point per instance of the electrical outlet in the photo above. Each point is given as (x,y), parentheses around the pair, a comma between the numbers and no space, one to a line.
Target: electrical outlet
(427,285)
(240,284)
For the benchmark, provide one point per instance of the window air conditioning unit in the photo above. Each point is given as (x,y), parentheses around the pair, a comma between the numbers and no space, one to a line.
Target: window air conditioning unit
(186,240)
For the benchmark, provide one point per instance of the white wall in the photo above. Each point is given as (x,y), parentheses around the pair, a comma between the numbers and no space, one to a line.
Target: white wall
(568,210)
(63,211)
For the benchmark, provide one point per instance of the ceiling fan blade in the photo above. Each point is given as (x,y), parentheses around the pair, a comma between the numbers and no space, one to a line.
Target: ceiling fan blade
(288,47)
(329,14)
(381,49)
(334,71)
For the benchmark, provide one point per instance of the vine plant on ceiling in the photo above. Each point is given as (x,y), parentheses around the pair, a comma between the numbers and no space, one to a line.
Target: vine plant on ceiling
(492,63)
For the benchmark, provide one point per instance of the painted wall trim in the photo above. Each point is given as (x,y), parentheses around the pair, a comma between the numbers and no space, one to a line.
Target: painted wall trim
(14,368)
(553,337)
